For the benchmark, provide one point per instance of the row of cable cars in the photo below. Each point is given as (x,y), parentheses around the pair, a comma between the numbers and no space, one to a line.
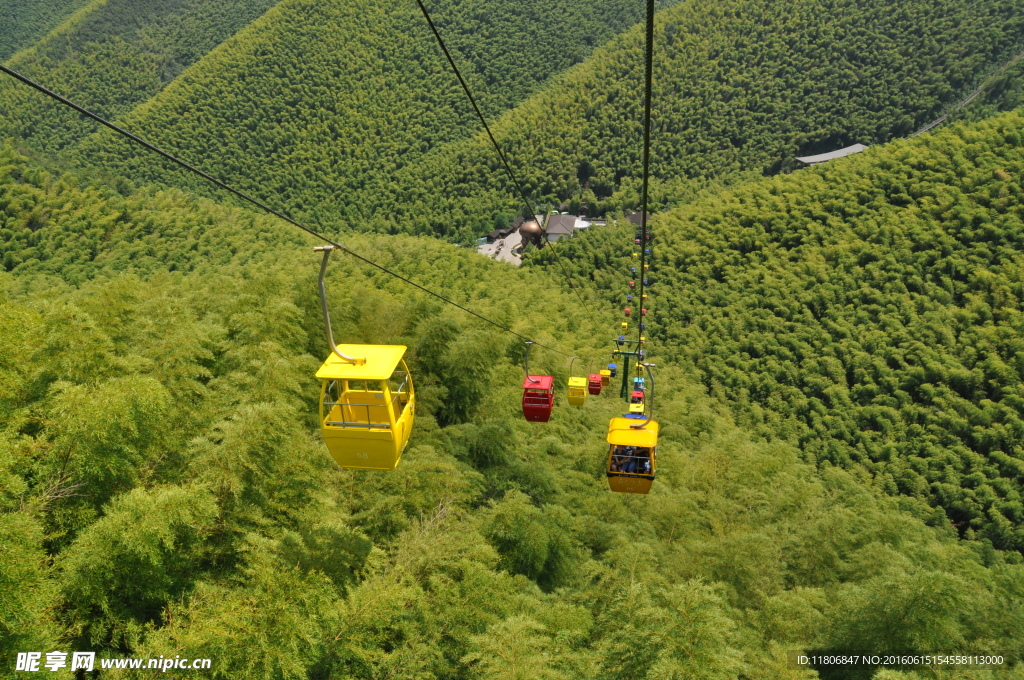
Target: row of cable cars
(368,407)
(632,438)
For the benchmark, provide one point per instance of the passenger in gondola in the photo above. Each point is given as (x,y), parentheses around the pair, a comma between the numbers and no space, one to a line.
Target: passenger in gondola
(619,459)
(643,461)
(629,453)
(639,460)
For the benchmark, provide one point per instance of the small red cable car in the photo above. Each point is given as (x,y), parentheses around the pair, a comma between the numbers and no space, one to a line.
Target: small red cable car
(627,311)
(538,397)
(636,397)
(594,383)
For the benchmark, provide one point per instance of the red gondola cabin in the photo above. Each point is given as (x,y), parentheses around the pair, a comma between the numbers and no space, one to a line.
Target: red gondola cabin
(594,383)
(538,397)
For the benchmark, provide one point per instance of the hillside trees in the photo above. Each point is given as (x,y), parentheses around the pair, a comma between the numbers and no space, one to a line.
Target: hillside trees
(383,141)
(26,21)
(227,532)
(320,116)
(867,310)
(110,57)
(739,87)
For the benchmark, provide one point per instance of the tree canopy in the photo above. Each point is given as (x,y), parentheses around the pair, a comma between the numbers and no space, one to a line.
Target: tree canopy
(165,491)
(866,310)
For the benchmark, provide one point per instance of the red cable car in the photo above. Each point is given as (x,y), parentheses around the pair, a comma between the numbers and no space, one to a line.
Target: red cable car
(636,397)
(594,383)
(538,397)
(627,311)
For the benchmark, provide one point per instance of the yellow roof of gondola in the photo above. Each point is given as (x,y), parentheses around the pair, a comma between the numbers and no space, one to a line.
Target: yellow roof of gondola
(622,433)
(381,361)
(577,381)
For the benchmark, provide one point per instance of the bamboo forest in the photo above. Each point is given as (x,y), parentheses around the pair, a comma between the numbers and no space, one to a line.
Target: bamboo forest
(512,339)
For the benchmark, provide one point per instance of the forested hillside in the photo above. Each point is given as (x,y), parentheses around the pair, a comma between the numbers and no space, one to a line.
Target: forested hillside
(741,85)
(26,21)
(346,90)
(839,350)
(868,310)
(165,491)
(1003,92)
(112,56)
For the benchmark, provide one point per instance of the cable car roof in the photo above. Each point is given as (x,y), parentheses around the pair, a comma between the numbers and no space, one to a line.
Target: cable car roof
(577,381)
(381,361)
(538,382)
(620,433)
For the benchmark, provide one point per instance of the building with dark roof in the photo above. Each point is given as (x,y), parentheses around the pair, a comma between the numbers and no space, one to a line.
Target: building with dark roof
(635,218)
(504,232)
(560,226)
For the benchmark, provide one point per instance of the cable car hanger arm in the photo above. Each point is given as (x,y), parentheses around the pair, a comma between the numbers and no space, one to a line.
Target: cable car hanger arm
(323,303)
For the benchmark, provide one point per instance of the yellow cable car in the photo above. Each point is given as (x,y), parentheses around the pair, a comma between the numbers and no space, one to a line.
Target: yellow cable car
(577,391)
(367,400)
(631,454)
(606,377)
(367,409)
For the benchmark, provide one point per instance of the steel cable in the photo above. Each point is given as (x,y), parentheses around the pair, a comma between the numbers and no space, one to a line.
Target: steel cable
(494,142)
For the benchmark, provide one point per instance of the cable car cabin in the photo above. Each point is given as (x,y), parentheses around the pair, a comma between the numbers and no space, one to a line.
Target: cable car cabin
(624,326)
(595,383)
(606,376)
(613,369)
(538,397)
(632,284)
(636,397)
(628,312)
(367,409)
(632,461)
(621,340)
(578,390)
(639,384)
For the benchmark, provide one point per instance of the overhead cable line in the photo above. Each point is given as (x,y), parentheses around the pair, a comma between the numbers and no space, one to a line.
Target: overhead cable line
(256,202)
(648,78)
(494,142)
